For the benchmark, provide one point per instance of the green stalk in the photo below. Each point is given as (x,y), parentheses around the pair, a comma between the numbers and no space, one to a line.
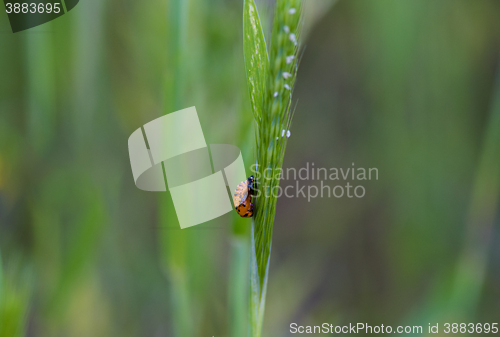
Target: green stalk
(1,279)
(174,243)
(238,275)
(271,82)
(472,266)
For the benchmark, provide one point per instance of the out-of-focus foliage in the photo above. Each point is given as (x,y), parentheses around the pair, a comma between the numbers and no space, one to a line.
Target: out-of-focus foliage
(15,292)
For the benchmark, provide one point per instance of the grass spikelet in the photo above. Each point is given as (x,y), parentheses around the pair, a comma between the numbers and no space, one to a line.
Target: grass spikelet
(273,117)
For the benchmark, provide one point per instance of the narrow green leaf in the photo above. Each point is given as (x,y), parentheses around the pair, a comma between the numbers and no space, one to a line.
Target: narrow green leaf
(238,286)
(255,324)
(271,85)
(258,288)
(1,280)
(256,58)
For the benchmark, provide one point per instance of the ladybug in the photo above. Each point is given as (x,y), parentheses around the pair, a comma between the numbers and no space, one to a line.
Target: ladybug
(243,197)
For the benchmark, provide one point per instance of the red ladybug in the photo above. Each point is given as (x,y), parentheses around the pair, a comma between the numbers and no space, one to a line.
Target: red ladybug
(243,197)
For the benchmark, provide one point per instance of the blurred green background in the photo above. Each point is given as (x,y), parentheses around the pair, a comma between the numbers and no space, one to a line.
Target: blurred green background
(409,87)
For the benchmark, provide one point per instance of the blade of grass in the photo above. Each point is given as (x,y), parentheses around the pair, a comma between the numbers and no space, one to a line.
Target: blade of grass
(273,120)
(276,119)
(461,300)
(41,56)
(1,279)
(174,243)
(238,275)
(257,291)
(256,66)
(256,58)
(483,209)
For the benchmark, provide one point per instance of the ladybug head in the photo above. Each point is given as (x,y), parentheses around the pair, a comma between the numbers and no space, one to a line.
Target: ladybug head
(251,185)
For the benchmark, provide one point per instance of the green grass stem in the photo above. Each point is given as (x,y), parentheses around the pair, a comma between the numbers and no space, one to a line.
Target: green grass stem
(270,82)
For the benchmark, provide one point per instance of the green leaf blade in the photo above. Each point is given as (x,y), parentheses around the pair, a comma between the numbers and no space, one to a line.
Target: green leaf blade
(1,280)
(256,58)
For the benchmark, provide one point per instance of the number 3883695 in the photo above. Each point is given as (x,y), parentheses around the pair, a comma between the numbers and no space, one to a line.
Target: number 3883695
(33,8)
